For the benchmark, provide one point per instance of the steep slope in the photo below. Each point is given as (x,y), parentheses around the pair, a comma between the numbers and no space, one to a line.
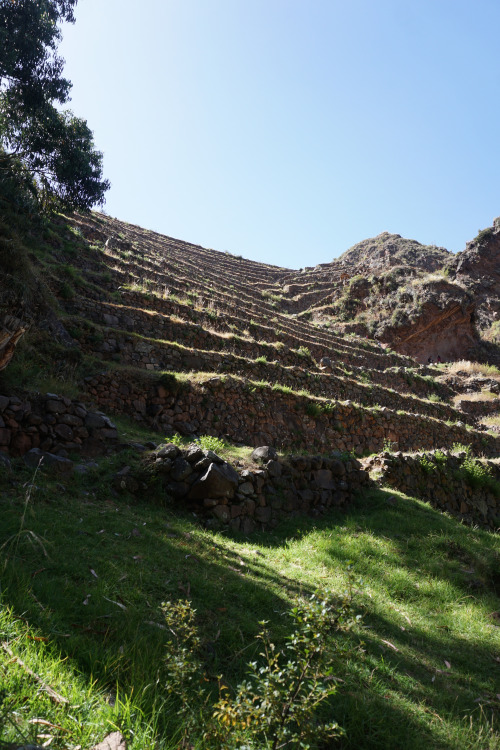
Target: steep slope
(187,339)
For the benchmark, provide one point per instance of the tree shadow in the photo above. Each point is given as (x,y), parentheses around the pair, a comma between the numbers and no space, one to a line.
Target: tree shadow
(97,597)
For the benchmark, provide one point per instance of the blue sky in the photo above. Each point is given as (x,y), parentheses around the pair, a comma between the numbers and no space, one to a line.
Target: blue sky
(288,130)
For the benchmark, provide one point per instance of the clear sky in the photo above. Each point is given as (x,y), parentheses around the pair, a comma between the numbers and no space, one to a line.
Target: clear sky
(288,130)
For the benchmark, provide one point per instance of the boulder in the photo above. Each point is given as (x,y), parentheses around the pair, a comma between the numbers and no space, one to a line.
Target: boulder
(220,480)
(48,461)
(264,454)
(168,451)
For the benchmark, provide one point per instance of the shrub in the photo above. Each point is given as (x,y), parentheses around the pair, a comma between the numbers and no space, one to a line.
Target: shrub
(170,382)
(66,291)
(434,398)
(276,707)
(478,475)
(212,443)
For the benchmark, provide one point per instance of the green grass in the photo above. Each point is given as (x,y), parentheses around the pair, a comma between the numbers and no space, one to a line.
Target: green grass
(430,586)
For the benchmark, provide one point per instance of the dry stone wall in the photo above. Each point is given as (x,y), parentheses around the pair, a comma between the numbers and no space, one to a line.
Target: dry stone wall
(445,482)
(52,423)
(147,354)
(241,411)
(248,499)
(159,325)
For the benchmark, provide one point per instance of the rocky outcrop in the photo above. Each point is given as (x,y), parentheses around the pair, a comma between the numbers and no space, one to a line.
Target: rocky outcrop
(387,250)
(444,326)
(477,269)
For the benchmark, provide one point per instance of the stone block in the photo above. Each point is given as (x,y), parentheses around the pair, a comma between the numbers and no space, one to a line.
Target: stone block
(220,480)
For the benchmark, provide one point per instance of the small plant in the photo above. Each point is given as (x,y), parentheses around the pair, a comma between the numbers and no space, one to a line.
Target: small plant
(261,360)
(313,409)
(182,663)
(434,398)
(427,465)
(66,291)
(282,388)
(176,439)
(478,474)
(212,443)
(440,457)
(461,448)
(304,352)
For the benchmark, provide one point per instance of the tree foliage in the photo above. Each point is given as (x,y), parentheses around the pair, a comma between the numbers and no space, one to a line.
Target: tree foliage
(55,146)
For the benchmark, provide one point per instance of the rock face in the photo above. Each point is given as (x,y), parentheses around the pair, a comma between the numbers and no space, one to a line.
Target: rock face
(386,250)
(219,481)
(443,328)
(477,269)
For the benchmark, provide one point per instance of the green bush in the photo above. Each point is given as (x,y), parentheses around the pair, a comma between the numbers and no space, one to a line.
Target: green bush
(212,443)
(277,706)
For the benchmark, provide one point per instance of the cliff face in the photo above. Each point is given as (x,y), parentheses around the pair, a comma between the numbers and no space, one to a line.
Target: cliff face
(477,269)
(444,328)
(420,300)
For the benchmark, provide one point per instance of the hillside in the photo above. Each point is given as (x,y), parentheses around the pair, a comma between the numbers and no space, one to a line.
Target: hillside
(140,371)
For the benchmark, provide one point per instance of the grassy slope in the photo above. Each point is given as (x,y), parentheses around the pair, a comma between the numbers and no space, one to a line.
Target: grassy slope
(90,569)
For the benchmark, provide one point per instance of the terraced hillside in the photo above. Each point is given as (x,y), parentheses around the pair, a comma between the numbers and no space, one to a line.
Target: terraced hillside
(139,373)
(190,340)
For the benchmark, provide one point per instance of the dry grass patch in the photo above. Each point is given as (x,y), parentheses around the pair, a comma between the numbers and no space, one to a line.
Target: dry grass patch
(464,367)
(478,396)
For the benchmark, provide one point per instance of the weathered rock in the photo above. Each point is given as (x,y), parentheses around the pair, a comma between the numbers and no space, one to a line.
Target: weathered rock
(264,454)
(194,453)
(55,406)
(273,468)
(177,490)
(220,480)
(95,421)
(114,741)
(48,462)
(168,451)
(180,470)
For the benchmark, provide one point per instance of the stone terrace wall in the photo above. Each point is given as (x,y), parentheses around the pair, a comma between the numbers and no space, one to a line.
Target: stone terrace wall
(249,499)
(146,355)
(52,423)
(161,326)
(478,409)
(443,483)
(241,411)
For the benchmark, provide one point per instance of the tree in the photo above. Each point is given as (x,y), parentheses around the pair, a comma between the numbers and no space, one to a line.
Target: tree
(55,146)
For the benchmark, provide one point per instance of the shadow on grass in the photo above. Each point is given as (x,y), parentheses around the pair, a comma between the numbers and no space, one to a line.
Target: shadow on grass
(110,565)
